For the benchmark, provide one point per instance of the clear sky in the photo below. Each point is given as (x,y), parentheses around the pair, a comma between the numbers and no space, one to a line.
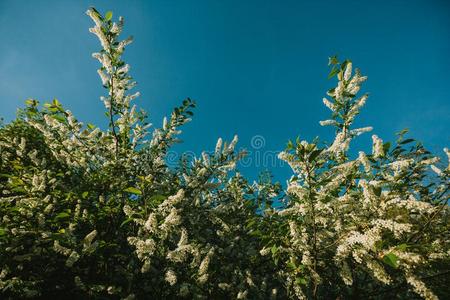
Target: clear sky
(254,67)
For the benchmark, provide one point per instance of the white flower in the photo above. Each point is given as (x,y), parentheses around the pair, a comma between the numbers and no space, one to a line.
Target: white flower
(359,131)
(103,77)
(356,107)
(151,223)
(232,144)
(175,199)
(203,268)
(328,104)
(429,161)
(101,36)
(364,161)
(94,17)
(346,274)
(124,69)
(328,123)
(89,238)
(348,71)
(128,211)
(264,251)
(218,146)
(378,271)
(377,149)
(436,170)
(110,290)
(180,254)
(419,287)
(115,28)
(396,228)
(401,165)
(173,219)
(242,294)
(74,256)
(296,190)
(171,277)
(183,238)
(448,154)
(60,249)
(340,144)
(123,44)
(48,208)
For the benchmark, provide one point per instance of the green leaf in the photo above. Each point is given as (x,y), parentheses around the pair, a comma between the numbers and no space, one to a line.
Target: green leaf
(391,259)
(402,247)
(96,12)
(402,132)
(90,126)
(333,60)
(291,265)
(250,224)
(379,244)
(386,147)
(108,15)
(156,199)
(62,215)
(290,145)
(333,72)
(126,222)
(377,191)
(274,249)
(31,102)
(314,154)
(22,257)
(301,281)
(2,231)
(18,190)
(133,190)
(256,232)
(84,194)
(59,118)
(406,141)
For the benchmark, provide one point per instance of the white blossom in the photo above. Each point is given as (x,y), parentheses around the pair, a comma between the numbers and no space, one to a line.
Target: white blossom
(328,104)
(378,150)
(348,71)
(171,277)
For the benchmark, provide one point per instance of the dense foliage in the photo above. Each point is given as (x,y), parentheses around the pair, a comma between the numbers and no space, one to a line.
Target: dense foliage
(91,213)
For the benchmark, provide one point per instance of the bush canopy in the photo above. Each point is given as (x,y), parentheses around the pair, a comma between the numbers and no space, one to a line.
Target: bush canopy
(92,213)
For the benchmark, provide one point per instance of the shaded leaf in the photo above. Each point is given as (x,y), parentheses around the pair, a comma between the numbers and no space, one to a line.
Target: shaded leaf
(391,259)
(108,15)
(133,190)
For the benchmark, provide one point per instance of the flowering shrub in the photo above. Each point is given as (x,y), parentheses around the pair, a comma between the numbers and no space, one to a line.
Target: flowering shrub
(360,227)
(86,212)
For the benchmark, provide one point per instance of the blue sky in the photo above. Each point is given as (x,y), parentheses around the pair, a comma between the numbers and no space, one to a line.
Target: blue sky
(254,67)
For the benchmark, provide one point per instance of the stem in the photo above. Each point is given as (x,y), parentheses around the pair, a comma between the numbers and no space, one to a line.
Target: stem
(313,212)
(111,110)
(111,117)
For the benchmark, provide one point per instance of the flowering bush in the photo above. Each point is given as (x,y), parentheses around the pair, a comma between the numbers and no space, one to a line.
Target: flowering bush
(364,226)
(86,212)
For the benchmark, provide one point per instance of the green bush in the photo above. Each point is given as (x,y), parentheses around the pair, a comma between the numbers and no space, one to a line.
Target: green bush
(92,213)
